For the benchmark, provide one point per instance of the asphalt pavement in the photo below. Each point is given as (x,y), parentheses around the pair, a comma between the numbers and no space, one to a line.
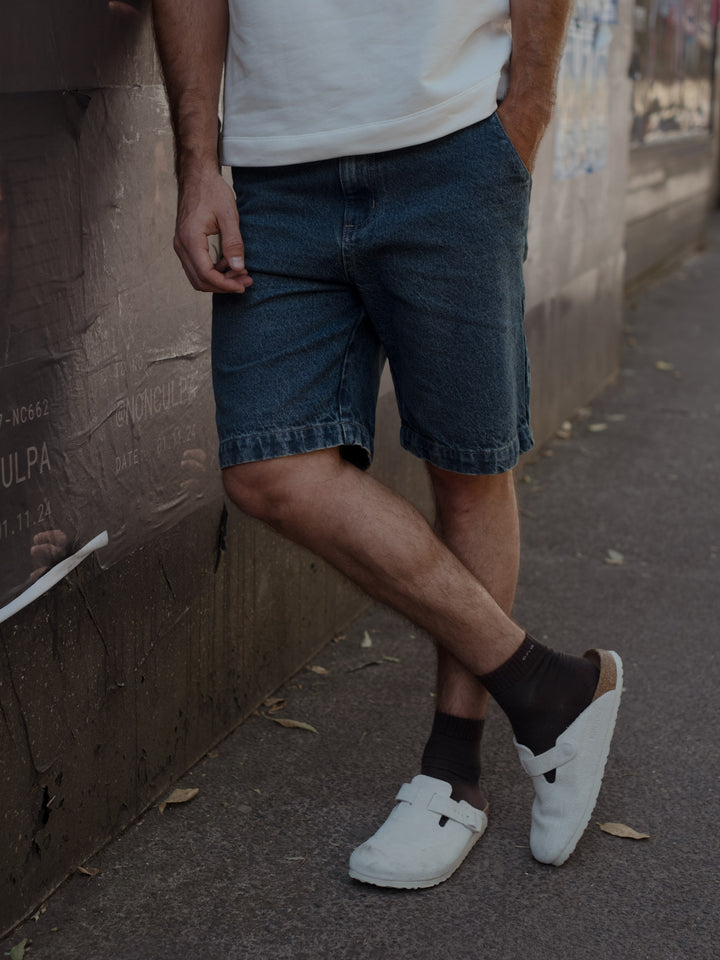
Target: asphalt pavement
(621,535)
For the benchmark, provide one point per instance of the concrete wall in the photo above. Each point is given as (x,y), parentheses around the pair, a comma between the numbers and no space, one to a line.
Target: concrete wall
(674,161)
(576,256)
(118,679)
(668,194)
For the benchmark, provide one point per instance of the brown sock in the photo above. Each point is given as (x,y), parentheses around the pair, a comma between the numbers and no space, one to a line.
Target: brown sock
(542,692)
(453,754)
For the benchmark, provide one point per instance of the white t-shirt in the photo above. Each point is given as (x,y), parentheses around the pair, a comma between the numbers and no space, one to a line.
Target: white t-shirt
(313,79)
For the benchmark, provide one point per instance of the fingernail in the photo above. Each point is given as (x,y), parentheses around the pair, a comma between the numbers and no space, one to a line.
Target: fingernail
(237,263)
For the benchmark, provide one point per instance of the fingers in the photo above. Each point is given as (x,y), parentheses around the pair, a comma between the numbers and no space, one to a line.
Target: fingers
(202,273)
(207,207)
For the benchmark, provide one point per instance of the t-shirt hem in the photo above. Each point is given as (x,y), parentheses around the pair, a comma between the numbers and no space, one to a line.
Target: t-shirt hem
(462,110)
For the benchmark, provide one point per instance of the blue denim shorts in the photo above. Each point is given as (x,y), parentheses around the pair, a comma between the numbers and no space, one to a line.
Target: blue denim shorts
(415,255)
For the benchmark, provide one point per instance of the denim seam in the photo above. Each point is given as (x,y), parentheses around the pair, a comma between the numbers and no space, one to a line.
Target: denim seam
(328,434)
(486,457)
(341,380)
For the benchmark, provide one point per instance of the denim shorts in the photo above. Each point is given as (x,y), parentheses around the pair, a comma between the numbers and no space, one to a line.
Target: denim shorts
(413,254)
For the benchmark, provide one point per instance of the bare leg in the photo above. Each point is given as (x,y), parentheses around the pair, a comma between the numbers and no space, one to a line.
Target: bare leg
(382,543)
(477,518)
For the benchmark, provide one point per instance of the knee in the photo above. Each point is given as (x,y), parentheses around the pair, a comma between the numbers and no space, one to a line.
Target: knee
(274,490)
(260,489)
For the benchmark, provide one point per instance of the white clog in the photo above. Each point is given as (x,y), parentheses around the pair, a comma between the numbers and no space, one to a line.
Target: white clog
(423,841)
(562,808)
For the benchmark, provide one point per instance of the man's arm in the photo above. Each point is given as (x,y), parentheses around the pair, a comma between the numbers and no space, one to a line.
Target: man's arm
(191,38)
(538,36)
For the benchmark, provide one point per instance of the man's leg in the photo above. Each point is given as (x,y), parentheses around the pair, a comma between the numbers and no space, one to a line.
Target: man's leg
(383,544)
(477,519)
(377,539)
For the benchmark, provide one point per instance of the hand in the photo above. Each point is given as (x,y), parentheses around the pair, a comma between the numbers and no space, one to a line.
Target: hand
(525,128)
(206,207)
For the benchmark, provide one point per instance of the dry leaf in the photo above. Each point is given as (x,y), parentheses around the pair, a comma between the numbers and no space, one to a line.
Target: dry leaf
(597,427)
(366,641)
(663,365)
(296,724)
(565,431)
(321,671)
(391,659)
(179,795)
(89,871)
(274,704)
(274,701)
(369,663)
(18,951)
(615,558)
(621,830)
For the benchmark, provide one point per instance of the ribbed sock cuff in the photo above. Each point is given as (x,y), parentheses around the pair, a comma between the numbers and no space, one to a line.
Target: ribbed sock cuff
(459,728)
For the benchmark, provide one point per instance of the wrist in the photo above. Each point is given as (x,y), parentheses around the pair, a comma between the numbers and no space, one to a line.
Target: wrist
(196,164)
(537,112)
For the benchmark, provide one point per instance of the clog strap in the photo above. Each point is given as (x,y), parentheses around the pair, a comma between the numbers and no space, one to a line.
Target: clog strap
(407,792)
(461,812)
(555,757)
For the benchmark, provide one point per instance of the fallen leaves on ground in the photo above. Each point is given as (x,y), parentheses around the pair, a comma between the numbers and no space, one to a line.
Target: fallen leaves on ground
(614,558)
(179,795)
(622,830)
(296,724)
(320,671)
(18,951)
(597,427)
(386,658)
(565,430)
(664,365)
(273,704)
(368,663)
(366,641)
(89,871)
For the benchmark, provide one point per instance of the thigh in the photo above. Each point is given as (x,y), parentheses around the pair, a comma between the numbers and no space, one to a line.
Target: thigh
(446,293)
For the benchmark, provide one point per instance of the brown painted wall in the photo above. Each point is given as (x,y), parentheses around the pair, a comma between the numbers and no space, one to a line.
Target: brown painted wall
(117,681)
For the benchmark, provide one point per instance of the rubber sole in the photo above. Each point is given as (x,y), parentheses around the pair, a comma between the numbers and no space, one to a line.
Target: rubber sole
(416,884)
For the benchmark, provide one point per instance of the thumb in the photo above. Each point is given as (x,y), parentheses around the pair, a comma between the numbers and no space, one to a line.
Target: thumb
(233,249)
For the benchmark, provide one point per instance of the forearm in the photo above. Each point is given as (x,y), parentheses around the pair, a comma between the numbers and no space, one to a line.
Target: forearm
(538,38)
(191,39)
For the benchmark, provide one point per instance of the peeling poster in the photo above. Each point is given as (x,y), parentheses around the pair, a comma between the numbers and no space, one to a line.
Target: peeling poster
(105,396)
